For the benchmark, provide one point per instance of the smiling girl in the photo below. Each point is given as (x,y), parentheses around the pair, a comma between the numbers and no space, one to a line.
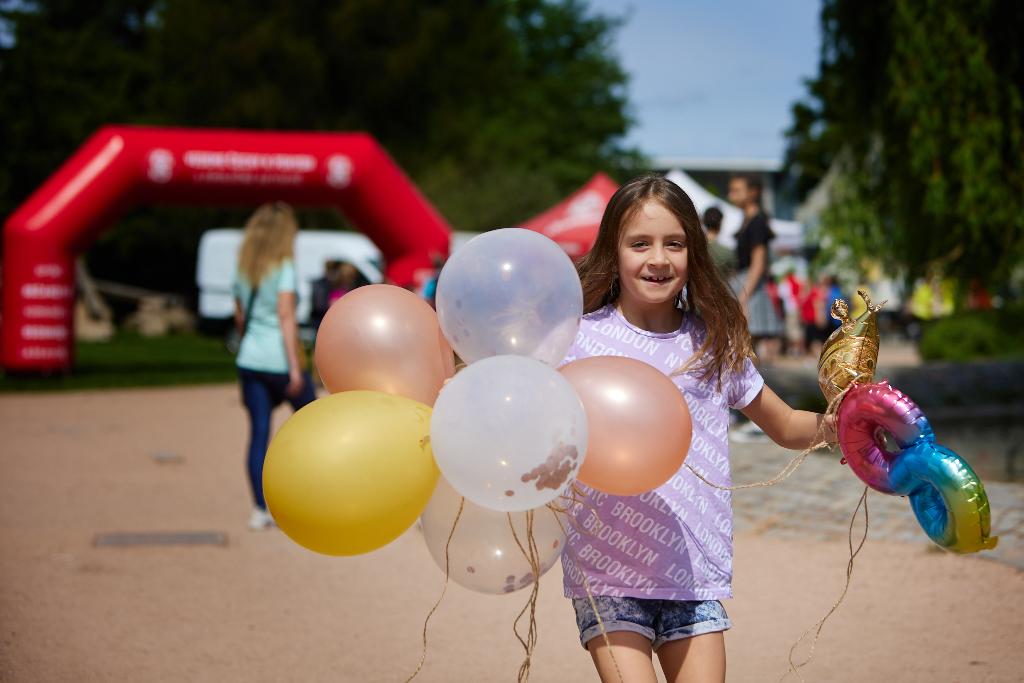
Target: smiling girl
(658,564)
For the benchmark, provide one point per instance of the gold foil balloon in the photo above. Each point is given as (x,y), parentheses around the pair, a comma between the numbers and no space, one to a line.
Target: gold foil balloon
(851,352)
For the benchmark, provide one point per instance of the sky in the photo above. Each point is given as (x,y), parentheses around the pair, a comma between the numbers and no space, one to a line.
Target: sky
(711,78)
(715,79)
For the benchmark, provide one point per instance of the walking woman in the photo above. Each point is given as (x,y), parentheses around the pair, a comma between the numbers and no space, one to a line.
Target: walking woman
(753,261)
(269,361)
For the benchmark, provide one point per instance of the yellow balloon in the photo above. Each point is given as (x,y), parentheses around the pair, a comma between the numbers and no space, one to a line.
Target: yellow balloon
(350,472)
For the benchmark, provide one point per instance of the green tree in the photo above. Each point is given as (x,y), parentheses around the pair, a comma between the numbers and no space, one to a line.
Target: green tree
(69,69)
(495,108)
(919,109)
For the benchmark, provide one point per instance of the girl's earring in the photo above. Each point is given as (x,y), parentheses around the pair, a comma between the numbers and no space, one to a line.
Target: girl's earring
(681,299)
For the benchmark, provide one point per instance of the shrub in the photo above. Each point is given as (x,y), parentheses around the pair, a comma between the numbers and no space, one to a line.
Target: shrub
(975,335)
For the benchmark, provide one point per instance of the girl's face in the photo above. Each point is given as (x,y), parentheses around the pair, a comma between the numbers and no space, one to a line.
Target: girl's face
(652,256)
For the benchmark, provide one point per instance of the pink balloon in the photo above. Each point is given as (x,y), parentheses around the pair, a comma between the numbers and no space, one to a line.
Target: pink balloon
(639,424)
(383,338)
(867,413)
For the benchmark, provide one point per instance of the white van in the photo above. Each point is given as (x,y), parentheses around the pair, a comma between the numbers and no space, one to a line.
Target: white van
(218,258)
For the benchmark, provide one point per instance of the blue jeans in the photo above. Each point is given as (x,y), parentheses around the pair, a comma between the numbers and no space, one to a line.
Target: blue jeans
(261,393)
(657,620)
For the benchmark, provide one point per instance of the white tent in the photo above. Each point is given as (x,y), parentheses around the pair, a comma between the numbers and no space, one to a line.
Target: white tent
(789,235)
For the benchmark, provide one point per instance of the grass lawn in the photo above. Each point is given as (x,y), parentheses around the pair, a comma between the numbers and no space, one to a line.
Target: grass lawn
(133,361)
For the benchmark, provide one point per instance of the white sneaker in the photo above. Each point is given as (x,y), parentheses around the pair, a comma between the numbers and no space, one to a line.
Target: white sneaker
(260,519)
(748,433)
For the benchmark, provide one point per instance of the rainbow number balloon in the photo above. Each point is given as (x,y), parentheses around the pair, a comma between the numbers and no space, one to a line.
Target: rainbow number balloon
(946,495)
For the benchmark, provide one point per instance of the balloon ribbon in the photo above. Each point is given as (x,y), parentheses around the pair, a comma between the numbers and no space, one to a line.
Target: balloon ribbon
(423,654)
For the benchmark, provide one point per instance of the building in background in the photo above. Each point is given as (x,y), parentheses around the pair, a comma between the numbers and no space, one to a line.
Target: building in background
(714,173)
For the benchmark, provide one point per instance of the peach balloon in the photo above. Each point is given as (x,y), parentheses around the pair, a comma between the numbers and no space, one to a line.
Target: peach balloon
(383,338)
(639,424)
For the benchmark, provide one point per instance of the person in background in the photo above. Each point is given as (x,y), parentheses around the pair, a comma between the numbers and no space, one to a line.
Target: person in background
(269,364)
(339,278)
(753,259)
(833,293)
(771,285)
(322,288)
(347,280)
(978,297)
(812,309)
(723,257)
(792,291)
(429,291)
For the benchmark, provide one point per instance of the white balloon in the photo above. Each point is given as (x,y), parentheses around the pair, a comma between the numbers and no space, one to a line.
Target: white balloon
(509,433)
(510,291)
(483,554)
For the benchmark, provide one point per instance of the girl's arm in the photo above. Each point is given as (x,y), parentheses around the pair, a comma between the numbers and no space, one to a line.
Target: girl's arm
(795,429)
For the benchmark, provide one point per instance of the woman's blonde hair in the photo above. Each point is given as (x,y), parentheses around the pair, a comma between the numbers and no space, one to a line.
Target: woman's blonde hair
(268,240)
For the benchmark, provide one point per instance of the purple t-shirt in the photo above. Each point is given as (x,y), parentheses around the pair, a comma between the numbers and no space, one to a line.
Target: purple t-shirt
(675,542)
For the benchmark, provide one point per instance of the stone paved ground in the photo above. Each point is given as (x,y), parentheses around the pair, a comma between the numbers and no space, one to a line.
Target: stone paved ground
(817,501)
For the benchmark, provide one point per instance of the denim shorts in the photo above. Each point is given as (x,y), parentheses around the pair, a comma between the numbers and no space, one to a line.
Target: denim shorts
(658,620)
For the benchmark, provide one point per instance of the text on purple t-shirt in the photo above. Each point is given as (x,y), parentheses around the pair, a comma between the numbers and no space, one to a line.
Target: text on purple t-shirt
(675,542)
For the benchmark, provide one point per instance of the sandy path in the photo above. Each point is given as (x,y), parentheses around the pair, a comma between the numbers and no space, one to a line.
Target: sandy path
(261,608)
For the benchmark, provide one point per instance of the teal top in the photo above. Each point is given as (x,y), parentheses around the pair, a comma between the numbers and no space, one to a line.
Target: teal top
(262,347)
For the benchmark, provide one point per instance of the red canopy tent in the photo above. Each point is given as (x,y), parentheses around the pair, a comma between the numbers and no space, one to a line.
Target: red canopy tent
(574,221)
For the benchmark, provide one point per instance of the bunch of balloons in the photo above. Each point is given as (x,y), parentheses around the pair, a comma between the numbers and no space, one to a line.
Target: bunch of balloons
(350,472)
(889,443)
(510,433)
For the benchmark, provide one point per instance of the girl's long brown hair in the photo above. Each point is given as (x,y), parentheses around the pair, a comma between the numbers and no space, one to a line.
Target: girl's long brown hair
(727,343)
(268,240)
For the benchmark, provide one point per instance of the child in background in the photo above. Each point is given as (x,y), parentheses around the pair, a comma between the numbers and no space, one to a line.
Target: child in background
(812,313)
(791,289)
(833,293)
(658,564)
(723,257)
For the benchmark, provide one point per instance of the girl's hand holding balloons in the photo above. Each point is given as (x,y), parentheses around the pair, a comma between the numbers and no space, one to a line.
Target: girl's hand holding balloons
(946,495)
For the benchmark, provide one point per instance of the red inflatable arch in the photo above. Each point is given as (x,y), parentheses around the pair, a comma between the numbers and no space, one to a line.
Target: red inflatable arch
(122,167)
